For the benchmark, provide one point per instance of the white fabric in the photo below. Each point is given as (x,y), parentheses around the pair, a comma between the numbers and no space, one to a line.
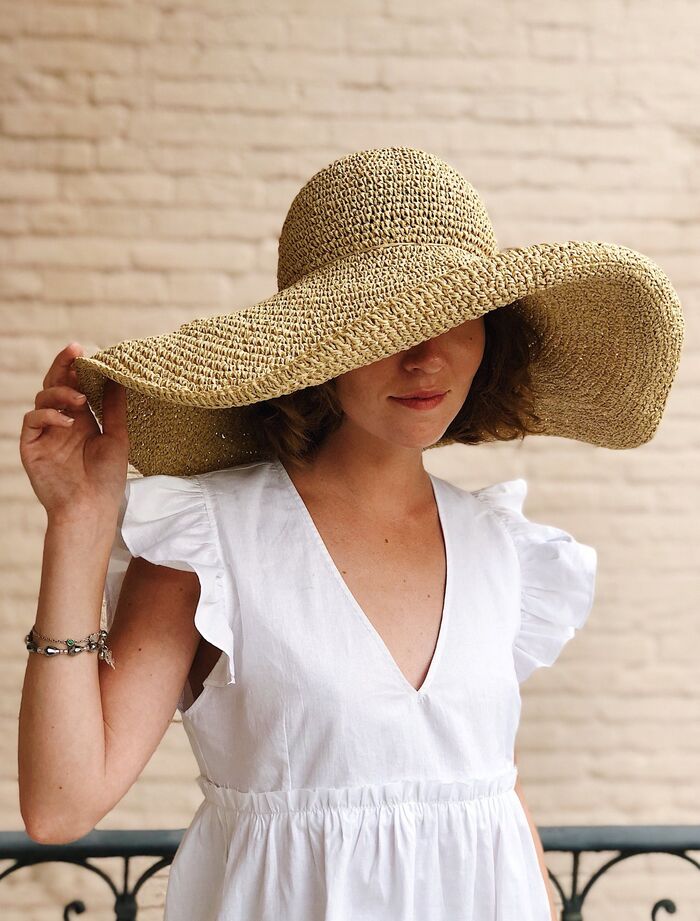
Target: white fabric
(333,789)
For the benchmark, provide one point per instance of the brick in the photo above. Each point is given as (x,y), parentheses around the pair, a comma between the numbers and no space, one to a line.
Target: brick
(108,220)
(311,32)
(63,155)
(130,89)
(18,185)
(179,127)
(71,285)
(115,154)
(224,95)
(198,288)
(558,43)
(51,19)
(242,224)
(118,187)
(197,159)
(183,26)
(70,55)
(218,190)
(13,218)
(61,88)
(568,12)
(374,101)
(648,36)
(167,60)
(134,287)
(137,25)
(19,284)
(13,19)
(72,251)
(181,223)
(209,254)
(403,13)
(241,29)
(20,317)
(63,121)
(57,217)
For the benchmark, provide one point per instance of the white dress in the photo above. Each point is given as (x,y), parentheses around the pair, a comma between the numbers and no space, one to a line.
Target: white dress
(333,789)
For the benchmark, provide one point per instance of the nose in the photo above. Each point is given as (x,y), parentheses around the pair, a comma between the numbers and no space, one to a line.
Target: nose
(426,356)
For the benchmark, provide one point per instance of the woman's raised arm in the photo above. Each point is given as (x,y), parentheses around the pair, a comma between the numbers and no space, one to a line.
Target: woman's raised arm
(87,730)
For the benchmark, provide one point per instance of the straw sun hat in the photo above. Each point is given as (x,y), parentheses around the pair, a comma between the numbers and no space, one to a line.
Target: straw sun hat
(381,250)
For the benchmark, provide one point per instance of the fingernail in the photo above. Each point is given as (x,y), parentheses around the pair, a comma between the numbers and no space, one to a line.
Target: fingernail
(71,419)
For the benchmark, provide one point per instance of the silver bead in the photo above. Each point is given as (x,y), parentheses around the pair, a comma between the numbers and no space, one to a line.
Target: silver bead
(51,651)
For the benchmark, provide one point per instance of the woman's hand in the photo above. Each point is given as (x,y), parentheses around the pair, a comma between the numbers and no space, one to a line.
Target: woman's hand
(74,467)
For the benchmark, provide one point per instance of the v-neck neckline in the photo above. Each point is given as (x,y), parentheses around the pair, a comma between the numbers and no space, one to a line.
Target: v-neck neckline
(420,692)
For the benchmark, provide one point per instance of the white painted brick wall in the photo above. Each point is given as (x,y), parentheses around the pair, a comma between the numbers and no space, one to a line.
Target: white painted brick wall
(148,154)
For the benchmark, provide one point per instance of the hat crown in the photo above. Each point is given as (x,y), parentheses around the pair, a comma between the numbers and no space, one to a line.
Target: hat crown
(376,198)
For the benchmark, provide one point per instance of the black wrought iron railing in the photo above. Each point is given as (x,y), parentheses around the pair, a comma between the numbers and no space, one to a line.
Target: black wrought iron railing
(624,841)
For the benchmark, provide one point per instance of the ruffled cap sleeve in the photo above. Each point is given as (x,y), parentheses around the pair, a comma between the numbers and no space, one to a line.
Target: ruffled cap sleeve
(557,579)
(167,521)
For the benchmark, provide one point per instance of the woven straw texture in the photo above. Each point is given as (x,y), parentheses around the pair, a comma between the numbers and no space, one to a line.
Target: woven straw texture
(379,251)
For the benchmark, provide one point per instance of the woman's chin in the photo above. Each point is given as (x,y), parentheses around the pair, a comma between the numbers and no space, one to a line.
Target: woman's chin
(418,440)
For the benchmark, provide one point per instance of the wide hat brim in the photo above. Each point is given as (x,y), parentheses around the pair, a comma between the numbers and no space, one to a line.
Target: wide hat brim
(610,320)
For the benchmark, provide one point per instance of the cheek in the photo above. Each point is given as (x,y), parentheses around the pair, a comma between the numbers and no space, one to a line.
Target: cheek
(471,351)
(357,402)
(364,386)
(346,392)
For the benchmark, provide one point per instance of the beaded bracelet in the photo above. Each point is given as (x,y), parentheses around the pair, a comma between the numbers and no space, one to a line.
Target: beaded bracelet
(94,641)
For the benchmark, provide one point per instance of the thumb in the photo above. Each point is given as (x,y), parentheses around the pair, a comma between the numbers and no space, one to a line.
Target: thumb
(114,409)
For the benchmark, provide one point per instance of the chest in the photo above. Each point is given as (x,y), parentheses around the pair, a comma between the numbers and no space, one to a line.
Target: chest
(360,652)
(395,574)
(397,581)
(327,608)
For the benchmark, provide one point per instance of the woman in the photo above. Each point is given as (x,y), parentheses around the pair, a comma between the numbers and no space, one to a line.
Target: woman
(343,633)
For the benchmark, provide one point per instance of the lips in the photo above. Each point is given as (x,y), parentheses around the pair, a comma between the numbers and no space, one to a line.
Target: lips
(421,395)
(421,402)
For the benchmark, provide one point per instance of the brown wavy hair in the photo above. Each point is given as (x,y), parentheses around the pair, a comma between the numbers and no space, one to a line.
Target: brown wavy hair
(498,407)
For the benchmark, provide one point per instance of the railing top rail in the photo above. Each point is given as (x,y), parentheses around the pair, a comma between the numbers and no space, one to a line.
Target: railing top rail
(14,845)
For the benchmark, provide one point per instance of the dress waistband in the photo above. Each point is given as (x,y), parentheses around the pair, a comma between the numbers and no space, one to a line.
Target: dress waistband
(369,796)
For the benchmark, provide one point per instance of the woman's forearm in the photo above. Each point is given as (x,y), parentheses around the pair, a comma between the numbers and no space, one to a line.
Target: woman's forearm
(61,750)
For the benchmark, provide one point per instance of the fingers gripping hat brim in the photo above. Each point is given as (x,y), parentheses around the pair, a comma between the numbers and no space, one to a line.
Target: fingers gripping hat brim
(610,320)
